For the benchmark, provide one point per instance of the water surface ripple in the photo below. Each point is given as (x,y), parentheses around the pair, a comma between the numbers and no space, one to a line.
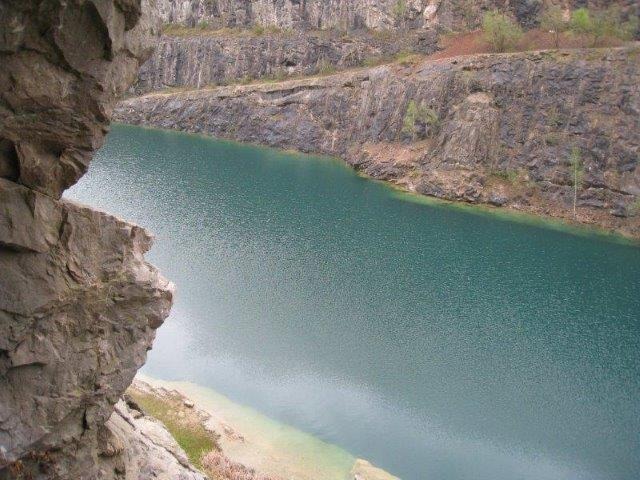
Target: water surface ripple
(436,343)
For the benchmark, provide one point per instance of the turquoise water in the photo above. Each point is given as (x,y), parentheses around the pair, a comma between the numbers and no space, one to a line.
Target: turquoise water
(434,342)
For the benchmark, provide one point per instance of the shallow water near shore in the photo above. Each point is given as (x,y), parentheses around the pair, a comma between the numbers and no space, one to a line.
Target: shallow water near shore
(435,343)
(255,441)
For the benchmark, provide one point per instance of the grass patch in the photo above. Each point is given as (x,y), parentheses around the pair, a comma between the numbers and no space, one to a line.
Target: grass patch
(194,439)
(205,29)
(407,58)
(510,176)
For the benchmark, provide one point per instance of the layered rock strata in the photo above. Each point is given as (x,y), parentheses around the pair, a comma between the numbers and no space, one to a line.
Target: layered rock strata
(356,14)
(496,129)
(78,303)
(201,60)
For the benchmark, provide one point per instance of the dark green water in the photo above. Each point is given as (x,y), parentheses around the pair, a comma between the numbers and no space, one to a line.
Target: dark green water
(436,343)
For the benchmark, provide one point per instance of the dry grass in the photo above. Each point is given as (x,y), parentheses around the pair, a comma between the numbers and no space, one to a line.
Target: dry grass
(219,467)
(181,422)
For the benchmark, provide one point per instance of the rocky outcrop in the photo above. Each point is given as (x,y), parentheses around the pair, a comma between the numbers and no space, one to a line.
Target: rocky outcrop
(201,60)
(363,470)
(244,40)
(135,445)
(357,14)
(495,129)
(309,14)
(78,303)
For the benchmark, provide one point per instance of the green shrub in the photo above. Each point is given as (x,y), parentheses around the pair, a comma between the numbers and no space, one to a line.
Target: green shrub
(406,58)
(500,31)
(581,22)
(258,30)
(597,25)
(552,20)
(510,176)
(203,25)
(420,121)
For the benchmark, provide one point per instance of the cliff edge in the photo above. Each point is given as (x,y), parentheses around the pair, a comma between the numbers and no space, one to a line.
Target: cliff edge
(78,303)
(498,129)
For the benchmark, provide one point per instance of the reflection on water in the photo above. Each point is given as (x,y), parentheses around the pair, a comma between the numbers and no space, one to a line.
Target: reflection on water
(433,342)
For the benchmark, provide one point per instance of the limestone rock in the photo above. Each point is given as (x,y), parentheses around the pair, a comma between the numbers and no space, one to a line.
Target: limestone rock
(135,446)
(363,470)
(503,132)
(75,324)
(63,66)
(203,60)
(78,303)
(346,15)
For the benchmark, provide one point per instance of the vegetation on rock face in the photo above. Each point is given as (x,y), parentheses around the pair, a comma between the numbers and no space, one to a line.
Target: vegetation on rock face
(192,437)
(500,31)
(577,172)
(325,67)
(420,121)
(400,11)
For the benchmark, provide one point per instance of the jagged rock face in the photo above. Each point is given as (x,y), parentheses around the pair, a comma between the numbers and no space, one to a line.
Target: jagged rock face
(78,303)
(205,60)
(323,14)
(505,128)
(140,445)
(63,64)
(355,14)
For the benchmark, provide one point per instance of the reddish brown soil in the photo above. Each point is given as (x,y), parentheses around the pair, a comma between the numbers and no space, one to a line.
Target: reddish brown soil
(472,43)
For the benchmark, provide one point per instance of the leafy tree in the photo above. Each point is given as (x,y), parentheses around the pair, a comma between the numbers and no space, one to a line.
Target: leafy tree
(599,24)
(500,31)
(575,160)
(552,20)
(581,22)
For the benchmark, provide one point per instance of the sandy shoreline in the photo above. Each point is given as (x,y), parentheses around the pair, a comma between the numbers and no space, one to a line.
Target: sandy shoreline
(270,448)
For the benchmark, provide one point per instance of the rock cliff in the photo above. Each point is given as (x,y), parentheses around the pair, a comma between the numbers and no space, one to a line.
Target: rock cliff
(496,129)
(201,60)
(356,14)
(235,41)
(78,303)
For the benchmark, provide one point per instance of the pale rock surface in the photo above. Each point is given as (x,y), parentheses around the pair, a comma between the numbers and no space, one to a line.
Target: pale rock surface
(79,305)
(135,446)
(363,470)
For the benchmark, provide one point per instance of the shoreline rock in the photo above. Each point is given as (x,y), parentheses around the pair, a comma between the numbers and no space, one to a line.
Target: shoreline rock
(243,448)
(500,136)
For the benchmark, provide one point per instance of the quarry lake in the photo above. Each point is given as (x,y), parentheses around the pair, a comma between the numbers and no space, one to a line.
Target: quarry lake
(439,343)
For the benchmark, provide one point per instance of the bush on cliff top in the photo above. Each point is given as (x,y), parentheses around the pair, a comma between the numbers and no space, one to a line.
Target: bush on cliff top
(597,25)
(500,31)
